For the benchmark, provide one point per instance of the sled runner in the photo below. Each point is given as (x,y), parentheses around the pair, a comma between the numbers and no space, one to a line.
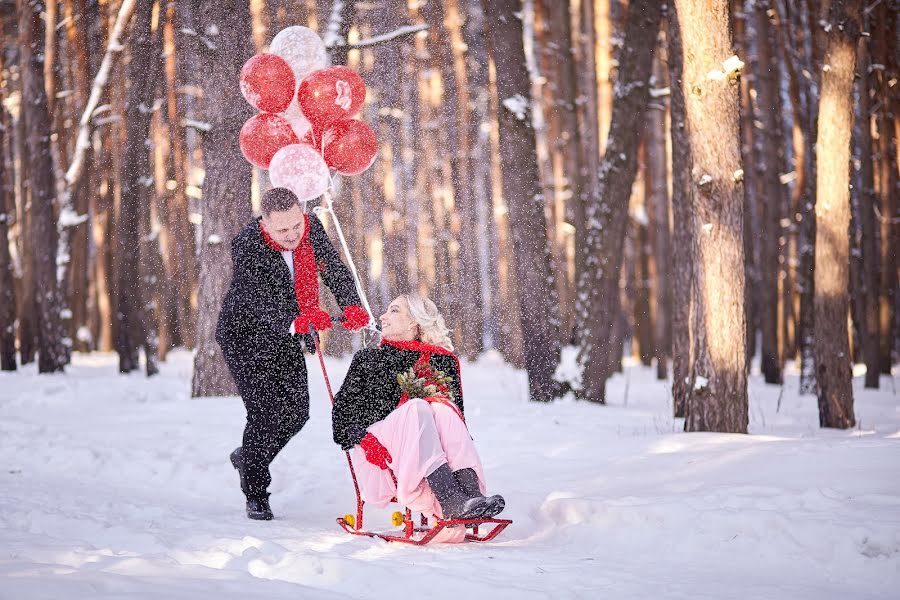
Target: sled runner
(477,530)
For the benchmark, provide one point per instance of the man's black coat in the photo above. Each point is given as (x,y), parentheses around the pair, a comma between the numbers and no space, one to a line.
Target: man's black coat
(260,304)
(264,359)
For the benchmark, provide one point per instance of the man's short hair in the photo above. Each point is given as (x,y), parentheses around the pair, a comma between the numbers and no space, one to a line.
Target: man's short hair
(278,199)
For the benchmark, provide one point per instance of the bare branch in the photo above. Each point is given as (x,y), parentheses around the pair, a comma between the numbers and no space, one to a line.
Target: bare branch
(384,37)
(84,124)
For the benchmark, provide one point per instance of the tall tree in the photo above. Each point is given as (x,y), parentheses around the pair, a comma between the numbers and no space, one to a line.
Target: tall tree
(607,216)
(7,215)
(227,44)
(682,229)
(768,140)
(539,308)
(136,176)
(51,346)
(833,373)
(717,400)
(869,257)
(656,170)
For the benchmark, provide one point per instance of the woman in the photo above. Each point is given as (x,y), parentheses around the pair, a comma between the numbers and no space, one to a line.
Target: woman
(408,433)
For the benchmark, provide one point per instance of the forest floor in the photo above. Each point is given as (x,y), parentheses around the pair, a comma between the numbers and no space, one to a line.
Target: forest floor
(117,486)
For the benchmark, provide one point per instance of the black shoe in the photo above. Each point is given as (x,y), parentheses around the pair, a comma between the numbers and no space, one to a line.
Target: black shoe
(237,461)
(492,505)
(259,510)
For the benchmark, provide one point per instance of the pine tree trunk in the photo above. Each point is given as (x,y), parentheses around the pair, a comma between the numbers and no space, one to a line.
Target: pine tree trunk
(870,280)
(539,307)
(469,302)
(226,186)
(25,297)
(52,352)
(7,216)
(480,136)
(887,48)
(445,156)
(606,218)
(717,400)
(180,256)
(682,234)
(135,326)
(833,373)
(656,171)
(746,45)
(769,165)
(388,74)
(77,25)
(808,48)
(588,124)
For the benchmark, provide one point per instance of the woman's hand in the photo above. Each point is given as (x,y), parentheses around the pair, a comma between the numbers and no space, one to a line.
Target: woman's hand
(375,452)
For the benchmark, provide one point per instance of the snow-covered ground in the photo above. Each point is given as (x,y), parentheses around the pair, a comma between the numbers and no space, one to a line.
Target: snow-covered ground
(118,487)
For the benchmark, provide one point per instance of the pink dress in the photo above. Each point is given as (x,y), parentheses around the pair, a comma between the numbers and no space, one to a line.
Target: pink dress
(420,436)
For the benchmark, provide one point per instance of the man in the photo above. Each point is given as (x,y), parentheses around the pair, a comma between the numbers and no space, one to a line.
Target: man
(264,323)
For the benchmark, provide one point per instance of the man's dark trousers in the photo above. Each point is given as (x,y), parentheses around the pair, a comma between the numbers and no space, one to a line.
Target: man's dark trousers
(273,386)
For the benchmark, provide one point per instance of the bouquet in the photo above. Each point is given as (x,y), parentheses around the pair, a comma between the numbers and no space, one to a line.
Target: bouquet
(423,381)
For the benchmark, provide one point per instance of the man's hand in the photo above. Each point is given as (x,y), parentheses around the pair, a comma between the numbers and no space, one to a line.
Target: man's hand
(319,319)
(355,318)
(376,454)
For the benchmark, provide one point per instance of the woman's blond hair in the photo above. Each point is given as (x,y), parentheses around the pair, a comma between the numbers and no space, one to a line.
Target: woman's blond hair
(432,329)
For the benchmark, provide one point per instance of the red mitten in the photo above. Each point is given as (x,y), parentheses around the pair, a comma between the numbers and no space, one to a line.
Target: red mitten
(376,454)
(319,319)
(355,318)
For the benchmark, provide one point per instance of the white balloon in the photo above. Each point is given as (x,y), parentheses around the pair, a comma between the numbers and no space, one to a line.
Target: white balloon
(302,48)
(299,123)
(301,169)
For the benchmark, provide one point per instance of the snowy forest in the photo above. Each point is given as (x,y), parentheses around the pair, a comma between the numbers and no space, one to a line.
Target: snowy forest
(663,235)
(693,184)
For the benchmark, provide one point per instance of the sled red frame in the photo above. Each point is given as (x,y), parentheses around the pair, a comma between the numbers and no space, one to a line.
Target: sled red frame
(412,534)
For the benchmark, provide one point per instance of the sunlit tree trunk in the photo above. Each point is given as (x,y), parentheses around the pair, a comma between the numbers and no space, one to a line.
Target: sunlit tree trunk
(607,216)
(833,373)
(226,186)
(539,307)
(717,400)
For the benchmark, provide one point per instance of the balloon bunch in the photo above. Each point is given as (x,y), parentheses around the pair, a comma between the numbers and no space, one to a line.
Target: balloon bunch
(305,127)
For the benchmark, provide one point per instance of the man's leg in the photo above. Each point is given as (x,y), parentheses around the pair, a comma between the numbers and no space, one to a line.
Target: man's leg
(258,388)
(293,410)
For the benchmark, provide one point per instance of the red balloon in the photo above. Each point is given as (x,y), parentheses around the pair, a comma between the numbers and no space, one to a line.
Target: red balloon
(262,136)
(350,147)
(330,94)
(267,82)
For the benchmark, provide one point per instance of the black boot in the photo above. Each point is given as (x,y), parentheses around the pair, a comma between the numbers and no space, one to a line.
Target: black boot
(258,509)
(468,481)
(237,461)
(455,503)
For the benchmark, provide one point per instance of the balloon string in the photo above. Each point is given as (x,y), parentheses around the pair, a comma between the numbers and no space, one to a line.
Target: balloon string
(329,208)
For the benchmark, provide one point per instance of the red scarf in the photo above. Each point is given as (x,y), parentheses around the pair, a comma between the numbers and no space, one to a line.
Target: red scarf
(306,283)
(425,351)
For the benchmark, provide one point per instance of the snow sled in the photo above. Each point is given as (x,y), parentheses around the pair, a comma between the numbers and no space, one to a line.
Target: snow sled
(422,533)
(477,530)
